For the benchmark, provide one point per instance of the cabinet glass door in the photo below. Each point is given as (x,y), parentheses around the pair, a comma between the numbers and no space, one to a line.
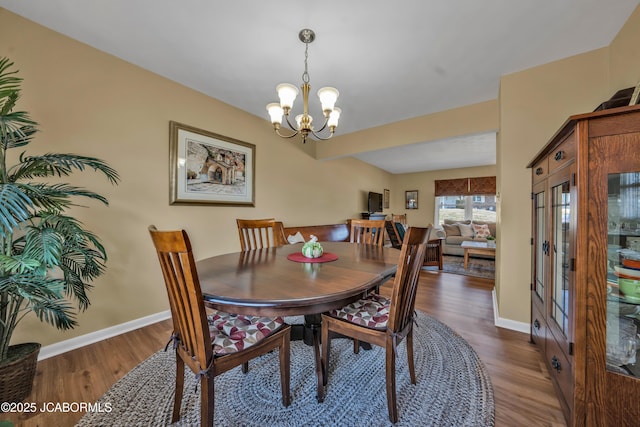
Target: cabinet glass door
(541,243)
(560,281)
(623,273)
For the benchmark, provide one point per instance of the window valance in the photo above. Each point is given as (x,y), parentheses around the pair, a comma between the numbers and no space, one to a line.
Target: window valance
(485,185)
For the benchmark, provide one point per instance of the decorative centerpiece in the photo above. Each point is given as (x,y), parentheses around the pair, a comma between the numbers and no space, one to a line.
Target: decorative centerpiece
(491,241)
(312,249)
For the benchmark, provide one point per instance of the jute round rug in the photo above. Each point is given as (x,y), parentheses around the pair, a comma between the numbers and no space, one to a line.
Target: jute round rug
(453,388)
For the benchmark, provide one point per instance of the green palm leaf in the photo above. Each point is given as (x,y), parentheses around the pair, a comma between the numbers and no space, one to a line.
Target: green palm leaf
(47,259)
(15,205)
(57,164)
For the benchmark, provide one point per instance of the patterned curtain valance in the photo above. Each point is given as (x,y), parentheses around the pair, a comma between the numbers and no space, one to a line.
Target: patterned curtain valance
(485,185)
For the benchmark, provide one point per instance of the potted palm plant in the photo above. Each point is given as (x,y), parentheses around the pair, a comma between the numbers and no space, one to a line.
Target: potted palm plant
(47,258)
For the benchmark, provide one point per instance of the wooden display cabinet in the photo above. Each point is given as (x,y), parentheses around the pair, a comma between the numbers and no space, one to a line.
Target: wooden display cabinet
(585,230)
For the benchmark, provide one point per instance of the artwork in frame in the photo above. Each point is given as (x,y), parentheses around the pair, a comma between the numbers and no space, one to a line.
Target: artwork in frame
(207,168)
(411,199)
(386,199)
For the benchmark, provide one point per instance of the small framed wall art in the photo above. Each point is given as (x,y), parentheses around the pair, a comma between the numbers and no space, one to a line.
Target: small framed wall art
(411,199)
(386,199)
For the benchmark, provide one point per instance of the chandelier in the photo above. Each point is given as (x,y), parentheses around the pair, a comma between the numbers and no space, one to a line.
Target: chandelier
(287,94)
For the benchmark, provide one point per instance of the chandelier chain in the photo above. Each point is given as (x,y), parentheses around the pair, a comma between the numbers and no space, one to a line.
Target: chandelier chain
(305,75)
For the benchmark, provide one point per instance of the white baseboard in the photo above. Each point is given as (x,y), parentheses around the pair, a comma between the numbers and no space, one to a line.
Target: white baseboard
(93,337)
(507,323)
(103,334)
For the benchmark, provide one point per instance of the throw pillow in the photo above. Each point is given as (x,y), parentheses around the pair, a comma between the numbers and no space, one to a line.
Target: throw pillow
(480,230)
(465,230)
(451,229)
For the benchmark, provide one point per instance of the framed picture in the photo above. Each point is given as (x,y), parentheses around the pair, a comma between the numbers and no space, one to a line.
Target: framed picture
(385,199)
(411,199)
(207,168)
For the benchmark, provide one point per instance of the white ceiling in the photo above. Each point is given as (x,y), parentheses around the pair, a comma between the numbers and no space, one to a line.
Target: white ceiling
(390,60)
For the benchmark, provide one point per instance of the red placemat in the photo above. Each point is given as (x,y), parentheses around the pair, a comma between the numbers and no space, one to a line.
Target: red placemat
(325,257)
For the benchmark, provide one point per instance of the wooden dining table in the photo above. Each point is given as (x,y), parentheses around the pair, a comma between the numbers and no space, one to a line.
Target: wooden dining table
(266,282)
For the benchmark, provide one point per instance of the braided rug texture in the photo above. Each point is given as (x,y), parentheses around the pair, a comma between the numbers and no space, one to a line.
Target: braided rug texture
(453,388)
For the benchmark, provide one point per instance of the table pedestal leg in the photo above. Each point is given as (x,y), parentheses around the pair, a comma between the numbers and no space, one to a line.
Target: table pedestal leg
(466,258)
(313,323)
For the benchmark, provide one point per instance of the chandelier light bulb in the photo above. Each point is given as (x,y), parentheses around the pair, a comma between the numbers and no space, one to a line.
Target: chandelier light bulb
(302,125)
(287,94)
(334,116)
(275,112)
(328,97)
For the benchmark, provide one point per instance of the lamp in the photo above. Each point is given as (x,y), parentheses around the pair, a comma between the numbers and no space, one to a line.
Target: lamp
(287,94)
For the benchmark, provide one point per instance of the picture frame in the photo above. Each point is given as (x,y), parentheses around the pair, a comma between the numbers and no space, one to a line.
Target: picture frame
(385,199)
(208,168)
(411,199)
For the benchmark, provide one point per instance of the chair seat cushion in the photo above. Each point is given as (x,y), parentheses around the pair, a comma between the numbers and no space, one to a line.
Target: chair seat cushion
(231,333)
(371,311)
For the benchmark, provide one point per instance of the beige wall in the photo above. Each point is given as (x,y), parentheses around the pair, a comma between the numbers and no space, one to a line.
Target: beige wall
(91,103)
(624,54)
(424,182)
(533,105)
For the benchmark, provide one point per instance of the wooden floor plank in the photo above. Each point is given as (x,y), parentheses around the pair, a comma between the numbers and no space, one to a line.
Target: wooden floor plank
(523,391)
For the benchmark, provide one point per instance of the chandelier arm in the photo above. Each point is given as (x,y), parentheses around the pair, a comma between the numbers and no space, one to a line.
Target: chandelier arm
(326,121)
(286,136)
(291,126)
(320,137)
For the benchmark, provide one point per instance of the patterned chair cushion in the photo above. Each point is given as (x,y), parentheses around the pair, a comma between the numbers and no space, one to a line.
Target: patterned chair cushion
(235,332)
(371,311)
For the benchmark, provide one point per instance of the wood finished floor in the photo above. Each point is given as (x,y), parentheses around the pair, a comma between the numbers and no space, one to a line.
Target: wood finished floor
(524,395)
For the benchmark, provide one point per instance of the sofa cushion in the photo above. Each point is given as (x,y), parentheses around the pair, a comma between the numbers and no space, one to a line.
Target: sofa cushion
(451,229)
(480,230)
(492,226)
(456,240)
(465,230)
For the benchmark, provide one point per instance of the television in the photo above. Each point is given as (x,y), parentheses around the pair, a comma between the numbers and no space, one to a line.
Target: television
(374,202)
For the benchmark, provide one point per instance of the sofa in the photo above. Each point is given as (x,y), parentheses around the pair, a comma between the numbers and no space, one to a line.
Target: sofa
(456,232)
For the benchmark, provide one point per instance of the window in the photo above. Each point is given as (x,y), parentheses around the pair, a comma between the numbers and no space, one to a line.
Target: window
(461,208)
(465,199)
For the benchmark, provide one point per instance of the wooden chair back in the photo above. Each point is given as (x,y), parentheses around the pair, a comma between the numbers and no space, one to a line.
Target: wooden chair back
(394,237)
(260,233)
(367,231)
(403,296)
(401,218)
(191,329)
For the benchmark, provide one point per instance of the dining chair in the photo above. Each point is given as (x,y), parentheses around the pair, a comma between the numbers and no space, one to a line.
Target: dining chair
(367,231)
(383,321)
(211,344)
(260,233)
(394,234)
(434,254)
(401,218)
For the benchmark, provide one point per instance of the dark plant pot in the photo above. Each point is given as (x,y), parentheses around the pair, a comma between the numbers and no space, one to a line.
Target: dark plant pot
(18,371)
